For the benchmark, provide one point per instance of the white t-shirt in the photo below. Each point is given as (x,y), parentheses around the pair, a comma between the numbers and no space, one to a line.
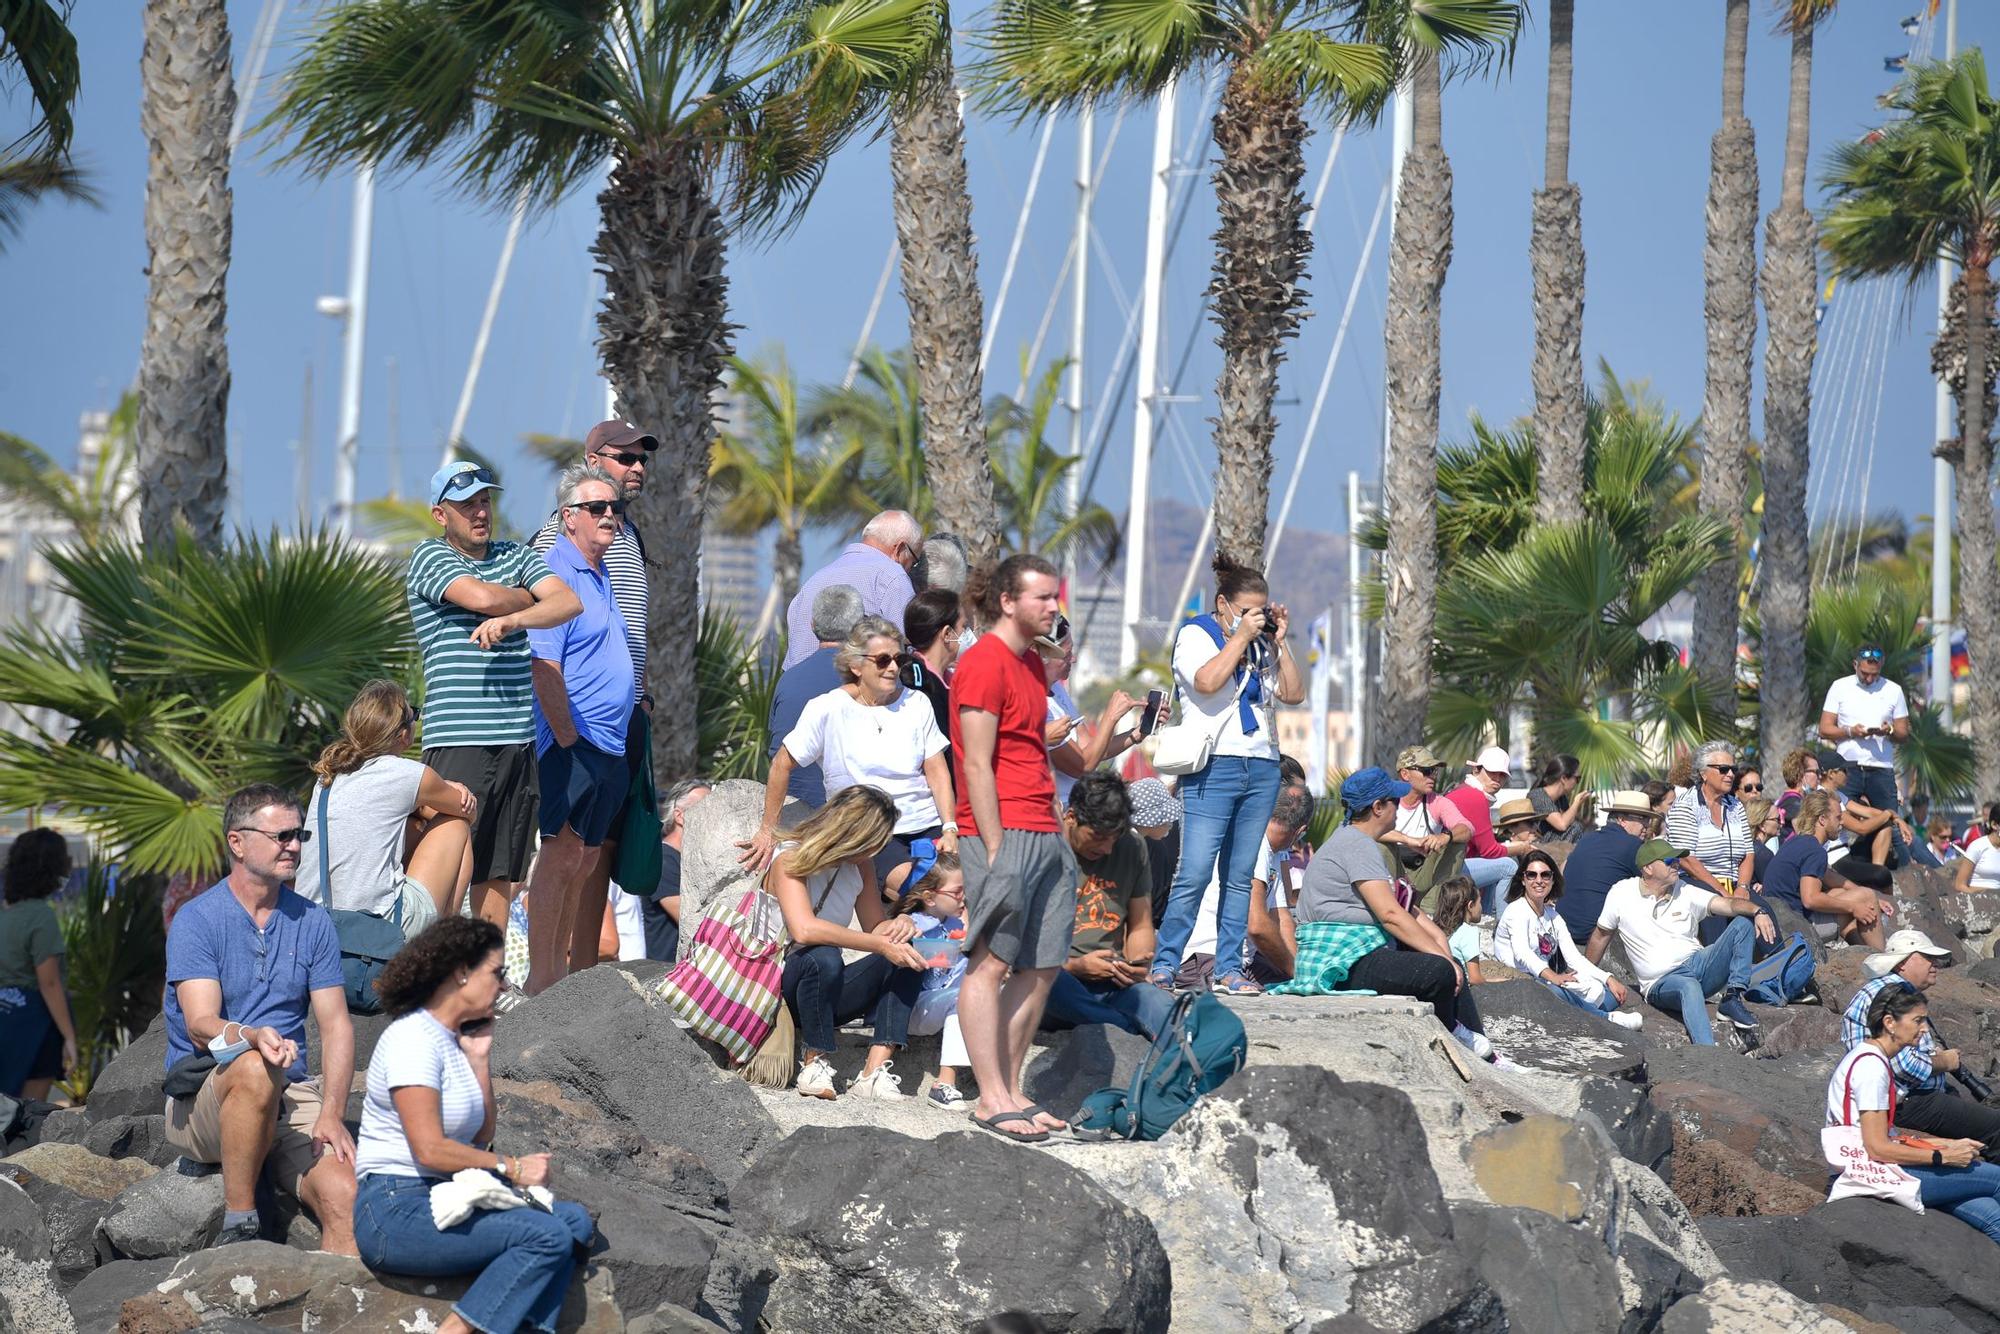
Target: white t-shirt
(365,823)
(883,745)
(1852,704)
(1985,862)
(1869,1091)
(1193,648)
(1659,934)
(629,917)
(1061,706)
(1202,941)
(1529,943)
(415,1051)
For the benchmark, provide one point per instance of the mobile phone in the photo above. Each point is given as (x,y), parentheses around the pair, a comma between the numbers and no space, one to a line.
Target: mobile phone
(473,1028)
(1149,721)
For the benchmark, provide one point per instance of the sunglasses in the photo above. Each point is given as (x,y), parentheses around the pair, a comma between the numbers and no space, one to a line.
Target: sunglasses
(883,661)
(1538,875)
(1868,656)
(600,508)
(623,459)
(1753,787)
(483,476)
(1723,768)
(298,834)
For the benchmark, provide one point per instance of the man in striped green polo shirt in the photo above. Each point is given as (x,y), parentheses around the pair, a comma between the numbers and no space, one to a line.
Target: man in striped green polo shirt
(473,600)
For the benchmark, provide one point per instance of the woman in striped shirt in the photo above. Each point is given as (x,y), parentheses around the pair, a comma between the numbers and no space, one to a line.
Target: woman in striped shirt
(1708,821)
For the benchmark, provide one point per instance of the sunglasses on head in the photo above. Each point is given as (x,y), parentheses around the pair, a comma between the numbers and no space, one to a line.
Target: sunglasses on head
(600,508)
(483,476)
(1869,655)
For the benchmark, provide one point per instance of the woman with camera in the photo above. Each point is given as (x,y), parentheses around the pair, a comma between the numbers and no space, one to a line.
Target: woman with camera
(1230,667)
(429,1115)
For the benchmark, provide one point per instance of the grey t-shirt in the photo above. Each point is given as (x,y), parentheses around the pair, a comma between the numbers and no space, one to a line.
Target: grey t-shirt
(364,835)
(1329,893)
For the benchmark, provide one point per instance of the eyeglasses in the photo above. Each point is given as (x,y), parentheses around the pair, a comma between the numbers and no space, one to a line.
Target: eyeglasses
(298,834)
(883,661)
(624,460)
(600,508)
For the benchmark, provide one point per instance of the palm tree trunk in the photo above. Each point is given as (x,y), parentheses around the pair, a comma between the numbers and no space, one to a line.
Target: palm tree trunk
(1261,246)
(1555,252)
(1419,255)
(1729,266)
(185,110)
(933,206)
(788,562)
(665,336)
(1978,542)
(1791,281)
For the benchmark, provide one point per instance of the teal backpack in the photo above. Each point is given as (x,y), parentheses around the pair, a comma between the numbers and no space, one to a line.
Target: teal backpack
(1201,1045)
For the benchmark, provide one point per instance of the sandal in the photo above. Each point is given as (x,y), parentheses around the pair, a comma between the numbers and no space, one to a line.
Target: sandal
(1035,1109)
(993,1123)
(1163,978)
(1236,984)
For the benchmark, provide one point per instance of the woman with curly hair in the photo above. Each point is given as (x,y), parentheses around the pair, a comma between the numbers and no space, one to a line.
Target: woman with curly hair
(37,1035)
(395,838)
(429,1115)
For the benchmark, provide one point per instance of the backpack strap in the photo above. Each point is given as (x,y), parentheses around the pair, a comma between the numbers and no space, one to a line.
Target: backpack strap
(325,795)
(1176,1022)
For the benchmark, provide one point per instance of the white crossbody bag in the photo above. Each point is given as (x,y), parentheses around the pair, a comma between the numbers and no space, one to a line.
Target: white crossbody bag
(1187,746)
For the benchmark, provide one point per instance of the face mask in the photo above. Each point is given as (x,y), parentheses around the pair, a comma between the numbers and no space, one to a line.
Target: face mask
(966,639)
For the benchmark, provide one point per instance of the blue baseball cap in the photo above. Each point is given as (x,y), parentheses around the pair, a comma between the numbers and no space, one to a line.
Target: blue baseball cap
(1365,787)
(461,479)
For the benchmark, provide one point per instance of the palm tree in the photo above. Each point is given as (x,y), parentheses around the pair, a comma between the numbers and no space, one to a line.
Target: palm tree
(1924,185)
(96,505)
(1729,269)
(25,181)
(1555,252)
(187,101)
(1030,473)
(774,475)
(1791,287)
(36,42)
(881,412)
(1049,54)
(706,120)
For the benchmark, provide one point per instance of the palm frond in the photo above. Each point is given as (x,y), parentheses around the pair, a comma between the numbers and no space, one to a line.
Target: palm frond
(35,39)
(26,181)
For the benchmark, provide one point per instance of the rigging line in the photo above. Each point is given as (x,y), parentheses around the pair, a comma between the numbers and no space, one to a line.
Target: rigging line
(253,70)
(1057,289)
(1868,468)
(1864,450)
(1014,246)
(1838,432)
(874,309)
(1850,427)
(1834,384)
(456,434)
(568,418)
(1325,175)
(1326,376)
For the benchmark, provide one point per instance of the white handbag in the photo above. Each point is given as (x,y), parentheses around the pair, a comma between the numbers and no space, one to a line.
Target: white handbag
(1186,747)
(1859,1173)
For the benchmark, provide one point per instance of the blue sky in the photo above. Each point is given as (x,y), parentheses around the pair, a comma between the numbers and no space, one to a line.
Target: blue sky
(1646,102)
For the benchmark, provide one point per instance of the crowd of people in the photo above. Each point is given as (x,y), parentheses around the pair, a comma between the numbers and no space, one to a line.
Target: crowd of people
(967,864)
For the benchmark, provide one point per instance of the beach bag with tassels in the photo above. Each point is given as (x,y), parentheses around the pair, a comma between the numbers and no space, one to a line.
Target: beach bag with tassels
(727,988)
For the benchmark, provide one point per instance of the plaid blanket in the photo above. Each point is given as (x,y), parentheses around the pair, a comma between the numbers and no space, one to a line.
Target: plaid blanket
(1326,951)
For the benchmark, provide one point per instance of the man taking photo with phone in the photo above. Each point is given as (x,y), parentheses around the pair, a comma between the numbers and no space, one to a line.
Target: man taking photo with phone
(1867,717)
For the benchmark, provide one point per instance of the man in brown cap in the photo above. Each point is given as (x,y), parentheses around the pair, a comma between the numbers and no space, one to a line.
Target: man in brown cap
(623,451)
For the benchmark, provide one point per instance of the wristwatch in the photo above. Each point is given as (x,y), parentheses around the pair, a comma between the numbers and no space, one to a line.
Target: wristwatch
(1937,1157)
(948,827)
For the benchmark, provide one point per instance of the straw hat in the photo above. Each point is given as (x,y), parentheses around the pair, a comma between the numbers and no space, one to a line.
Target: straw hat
(1517,811)
(1626,801)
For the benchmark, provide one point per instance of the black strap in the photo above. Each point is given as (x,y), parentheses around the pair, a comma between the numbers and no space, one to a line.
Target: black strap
(325,795)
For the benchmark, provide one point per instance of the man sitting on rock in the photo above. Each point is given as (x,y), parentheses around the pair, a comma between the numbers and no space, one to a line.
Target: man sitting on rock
(1104,981)
(1656,916)
(244,962)
(1925,1101)
(1800,876)
(1601,858)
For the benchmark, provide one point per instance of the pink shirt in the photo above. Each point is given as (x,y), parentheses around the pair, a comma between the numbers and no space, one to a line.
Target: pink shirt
(1477,808)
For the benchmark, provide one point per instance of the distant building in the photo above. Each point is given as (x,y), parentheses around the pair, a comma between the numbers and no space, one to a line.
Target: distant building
(730,578)
(1343,741)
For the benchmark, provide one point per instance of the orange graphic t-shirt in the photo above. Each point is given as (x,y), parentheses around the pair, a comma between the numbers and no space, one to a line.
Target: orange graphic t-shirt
(1104,896)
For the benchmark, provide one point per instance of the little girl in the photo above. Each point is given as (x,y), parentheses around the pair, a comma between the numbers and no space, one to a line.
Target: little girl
(936,904)
(1459,911)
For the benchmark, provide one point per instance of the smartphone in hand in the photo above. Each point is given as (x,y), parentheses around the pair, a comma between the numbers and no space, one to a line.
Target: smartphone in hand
(1149,721)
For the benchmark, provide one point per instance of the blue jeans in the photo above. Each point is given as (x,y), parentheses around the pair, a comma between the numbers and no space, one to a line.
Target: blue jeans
(523,1256)
(1723,966)
(1876,784)
(1969,1194)
(1492,875)
(1141,1008)
(825,992)
(1224,810)
(1608,1004)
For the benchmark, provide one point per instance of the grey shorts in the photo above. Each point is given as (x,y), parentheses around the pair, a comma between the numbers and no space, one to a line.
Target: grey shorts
(1023,906)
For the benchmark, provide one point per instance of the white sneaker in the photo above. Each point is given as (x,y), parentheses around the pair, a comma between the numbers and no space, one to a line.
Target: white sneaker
(1631,1019)
(1476,1041)
(816,1079)
(882,1085)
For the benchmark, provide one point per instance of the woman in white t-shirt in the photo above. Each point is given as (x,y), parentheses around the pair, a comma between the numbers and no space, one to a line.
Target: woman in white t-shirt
(1979,868)
(870,730)
(823,878)
(1862,1092)
(385,834)
(1231,667)
(428,1115)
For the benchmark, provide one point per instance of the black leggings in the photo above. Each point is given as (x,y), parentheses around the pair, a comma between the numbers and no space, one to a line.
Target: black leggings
(1395,971)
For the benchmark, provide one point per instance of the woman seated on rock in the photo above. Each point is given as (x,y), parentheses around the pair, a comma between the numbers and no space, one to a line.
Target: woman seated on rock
(37,1033)
(874,731)
(1356,934)
(1532,938)
(1979,867)
(1565,813)
(823,876)
(394,838)
(1949,1173)
(429,1115)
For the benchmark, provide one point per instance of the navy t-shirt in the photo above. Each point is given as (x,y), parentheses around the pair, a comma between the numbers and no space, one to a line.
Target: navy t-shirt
(1599,860)
(1801,855)
(663,933)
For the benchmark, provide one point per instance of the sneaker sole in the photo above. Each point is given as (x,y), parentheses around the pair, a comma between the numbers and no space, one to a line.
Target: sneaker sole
(827,1096)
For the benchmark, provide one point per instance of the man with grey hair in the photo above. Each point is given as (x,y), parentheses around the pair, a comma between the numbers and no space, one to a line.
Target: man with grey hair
(584,696)
(877,567)
(662,906)
(835,611)
(944,564)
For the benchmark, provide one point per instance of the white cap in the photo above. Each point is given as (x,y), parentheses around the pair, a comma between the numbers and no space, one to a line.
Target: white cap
(1899,947)
(1494,761)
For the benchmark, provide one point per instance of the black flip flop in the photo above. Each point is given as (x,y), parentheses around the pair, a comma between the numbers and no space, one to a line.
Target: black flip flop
(1035,1109)
(993,1123)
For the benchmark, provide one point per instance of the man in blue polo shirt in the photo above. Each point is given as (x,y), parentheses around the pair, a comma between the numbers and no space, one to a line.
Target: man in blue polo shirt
(584,694)
(245,961)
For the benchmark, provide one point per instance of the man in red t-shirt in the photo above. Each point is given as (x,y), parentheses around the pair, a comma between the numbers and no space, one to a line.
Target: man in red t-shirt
(1020,875)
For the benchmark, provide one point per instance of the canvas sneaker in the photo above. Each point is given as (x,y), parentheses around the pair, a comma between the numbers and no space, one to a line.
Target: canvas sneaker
(946,1097)
(881,1085)
(816,1079)
(1477,1042)
(1732,1008)
(1631,1019)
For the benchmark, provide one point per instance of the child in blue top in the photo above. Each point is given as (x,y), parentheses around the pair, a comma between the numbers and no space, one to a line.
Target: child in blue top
(1458,917)
(936,904)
